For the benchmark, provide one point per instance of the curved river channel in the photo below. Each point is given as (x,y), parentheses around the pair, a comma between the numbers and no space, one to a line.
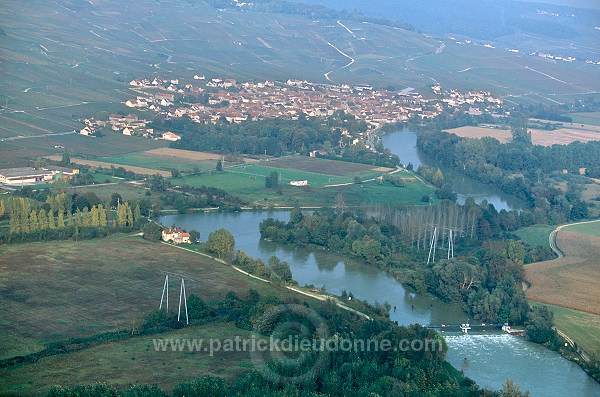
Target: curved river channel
(404,144)
(491,358)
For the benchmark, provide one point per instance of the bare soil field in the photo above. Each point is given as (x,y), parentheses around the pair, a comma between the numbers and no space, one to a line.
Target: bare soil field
(136,170)
(504,136)
(184,154)
(322,166)
(572,281)
(190,155)
(562,136)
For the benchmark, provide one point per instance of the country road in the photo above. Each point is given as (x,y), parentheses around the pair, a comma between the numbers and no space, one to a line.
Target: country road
(14,138)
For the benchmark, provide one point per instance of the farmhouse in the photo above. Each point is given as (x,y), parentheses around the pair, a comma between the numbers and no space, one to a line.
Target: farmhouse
(176,235)
(169,136)
(24,175)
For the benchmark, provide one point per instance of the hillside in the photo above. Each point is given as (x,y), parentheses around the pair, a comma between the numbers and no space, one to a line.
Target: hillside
(67,59)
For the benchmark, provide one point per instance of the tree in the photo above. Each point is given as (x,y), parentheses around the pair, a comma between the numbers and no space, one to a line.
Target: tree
(115,200)
(509,389)
(51,222)
(272,181)
(219,165)
(175,173)
(194,236)
(129,215)
(296,215)
(43,219)
(2,208)
(60,186)
(158,183)
(66,159)
(540,325)
(137,216)
(102,215)
(279,269)
(152,231)
(33,221)
(197,308)
(221,243)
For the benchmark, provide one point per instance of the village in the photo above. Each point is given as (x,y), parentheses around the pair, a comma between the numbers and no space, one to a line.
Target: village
(217,100)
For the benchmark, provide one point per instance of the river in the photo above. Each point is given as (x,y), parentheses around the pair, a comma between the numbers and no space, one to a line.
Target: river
(492,359)
(403,143)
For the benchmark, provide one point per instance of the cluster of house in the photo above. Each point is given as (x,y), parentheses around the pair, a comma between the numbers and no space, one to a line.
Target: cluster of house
(237,102)
(176,235)
(31,176)
(129,124)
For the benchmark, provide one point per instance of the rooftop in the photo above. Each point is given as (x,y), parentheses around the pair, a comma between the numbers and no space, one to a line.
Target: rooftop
(22,172)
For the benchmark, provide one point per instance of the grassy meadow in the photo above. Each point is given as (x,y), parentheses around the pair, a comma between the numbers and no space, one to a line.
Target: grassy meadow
(535,235)
(583,328)
(53,292)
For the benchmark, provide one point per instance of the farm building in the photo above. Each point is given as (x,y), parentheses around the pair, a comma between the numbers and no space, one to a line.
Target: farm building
(24,176)
(176,235)
(29,175)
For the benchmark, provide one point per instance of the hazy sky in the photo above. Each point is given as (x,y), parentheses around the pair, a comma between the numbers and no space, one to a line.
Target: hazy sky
(572,3)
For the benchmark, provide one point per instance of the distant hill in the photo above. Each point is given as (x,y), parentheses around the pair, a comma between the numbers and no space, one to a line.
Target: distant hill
(531,25)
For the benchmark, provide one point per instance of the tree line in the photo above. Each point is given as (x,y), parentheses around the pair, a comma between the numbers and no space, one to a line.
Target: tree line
(28,221)
(484,277)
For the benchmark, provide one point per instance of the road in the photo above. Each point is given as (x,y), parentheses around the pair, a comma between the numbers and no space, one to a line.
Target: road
(14,138)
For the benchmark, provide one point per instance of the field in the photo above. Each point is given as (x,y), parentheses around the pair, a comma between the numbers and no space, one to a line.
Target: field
(133,361)
(323,166)
(572,281)
(592,229)
(20,152)
(562,136)
(535,235)
(591,118)
(52,292)
(167,159)
(503,136)
(583,328)
(103,164)
(328,179)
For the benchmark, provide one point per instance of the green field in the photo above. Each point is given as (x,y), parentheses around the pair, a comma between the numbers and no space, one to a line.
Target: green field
(133,361)
(592,229)
(591,118)
(52,292)
(535,235)
(22,152)
(56,291)
(128,191)
(248,182)
(583,328)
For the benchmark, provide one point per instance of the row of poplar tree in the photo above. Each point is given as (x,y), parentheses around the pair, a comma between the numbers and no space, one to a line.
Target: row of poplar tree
(26,218)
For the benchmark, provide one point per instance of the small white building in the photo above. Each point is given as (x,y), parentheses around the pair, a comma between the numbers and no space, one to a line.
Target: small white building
(299,183)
